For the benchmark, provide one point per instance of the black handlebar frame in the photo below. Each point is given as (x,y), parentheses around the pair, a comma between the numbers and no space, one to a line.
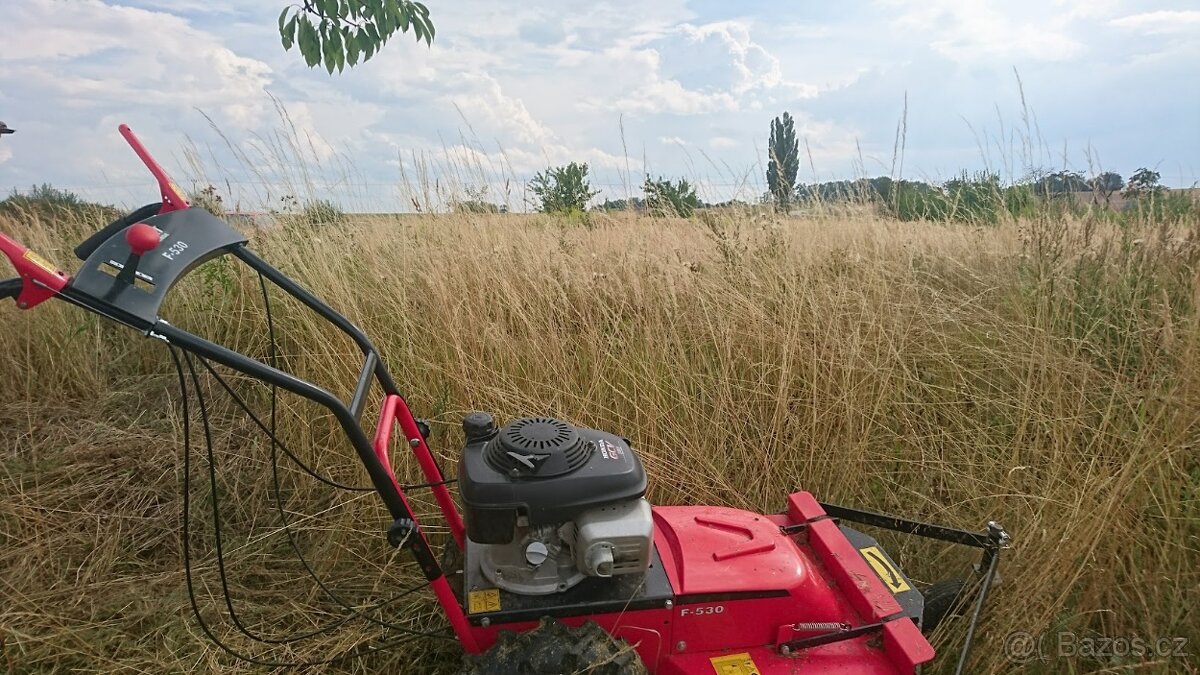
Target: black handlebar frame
(89,245)
(11,288)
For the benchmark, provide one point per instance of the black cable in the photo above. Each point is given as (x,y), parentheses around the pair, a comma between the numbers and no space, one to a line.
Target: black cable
(278,489)
(221,570)
(187,562)
(270,432)
(275,441)
(219,539)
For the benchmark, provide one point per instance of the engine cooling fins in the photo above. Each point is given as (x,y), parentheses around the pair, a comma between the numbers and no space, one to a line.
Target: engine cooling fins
(537,447)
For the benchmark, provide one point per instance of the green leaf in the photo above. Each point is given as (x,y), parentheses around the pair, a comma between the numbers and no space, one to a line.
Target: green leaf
(330,56)
(288,33)
(428,30)
(334,54)
(380,16)
(310,43)
(334,39)
(394,15)
(283,17)
(418,29)
(422,9)
(352,50)
(404,20)
(329,8)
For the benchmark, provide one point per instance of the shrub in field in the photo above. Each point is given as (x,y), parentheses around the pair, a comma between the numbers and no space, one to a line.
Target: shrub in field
(208,199)
(665,198)
(475,200)
(977,199)
(320,212)
(563,189)
(50,203)
(476,206)
(631,204)
(920,201)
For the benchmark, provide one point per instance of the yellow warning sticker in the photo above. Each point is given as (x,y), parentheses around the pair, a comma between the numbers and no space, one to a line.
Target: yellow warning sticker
(887,572)
(40,262)
(479,602)
(734,664)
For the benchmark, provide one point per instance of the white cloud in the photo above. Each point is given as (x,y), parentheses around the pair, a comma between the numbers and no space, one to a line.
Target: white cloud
(671,97)
(1161,22)
(506,116)
(981,31)
(756,67)
(129,56)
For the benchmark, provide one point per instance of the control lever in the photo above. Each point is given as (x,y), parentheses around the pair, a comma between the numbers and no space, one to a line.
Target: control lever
(142,239)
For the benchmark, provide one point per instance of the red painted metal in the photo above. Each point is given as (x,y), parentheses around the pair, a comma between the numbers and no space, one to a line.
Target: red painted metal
(742,586)
(441,587)
(433,474)
(852,657)
(172,196)
(454,612)
(383,435)
(41,279)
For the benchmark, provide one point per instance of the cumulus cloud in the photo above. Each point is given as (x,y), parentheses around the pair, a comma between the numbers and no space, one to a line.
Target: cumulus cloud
(125,55)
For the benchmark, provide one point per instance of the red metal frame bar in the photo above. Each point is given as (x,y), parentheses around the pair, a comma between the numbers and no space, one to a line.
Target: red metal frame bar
(41,279)
(172,196)
(395,408)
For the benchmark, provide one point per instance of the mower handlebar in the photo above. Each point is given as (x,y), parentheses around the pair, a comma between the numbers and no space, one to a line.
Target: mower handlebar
(93,242)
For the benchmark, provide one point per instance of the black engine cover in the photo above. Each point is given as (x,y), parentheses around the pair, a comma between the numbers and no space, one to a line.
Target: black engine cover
(541,468)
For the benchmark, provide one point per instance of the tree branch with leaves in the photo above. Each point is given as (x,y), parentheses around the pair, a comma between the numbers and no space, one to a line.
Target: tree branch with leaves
(340,33)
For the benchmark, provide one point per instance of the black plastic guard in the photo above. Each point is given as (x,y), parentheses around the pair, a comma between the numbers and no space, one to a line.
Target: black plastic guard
(190,237)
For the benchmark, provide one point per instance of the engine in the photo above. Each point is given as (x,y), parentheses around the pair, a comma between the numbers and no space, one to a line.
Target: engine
(548,505)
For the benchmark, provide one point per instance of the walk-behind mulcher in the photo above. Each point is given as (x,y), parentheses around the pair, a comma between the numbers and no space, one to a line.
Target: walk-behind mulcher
(555,562)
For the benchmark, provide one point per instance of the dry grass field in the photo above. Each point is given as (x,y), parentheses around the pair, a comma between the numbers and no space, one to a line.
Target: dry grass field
(1045,373)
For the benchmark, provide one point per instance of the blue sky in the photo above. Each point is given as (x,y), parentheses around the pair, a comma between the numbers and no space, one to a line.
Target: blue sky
(671,88)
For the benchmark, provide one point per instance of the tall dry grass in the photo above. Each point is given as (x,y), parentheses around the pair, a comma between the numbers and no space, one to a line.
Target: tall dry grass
(1044,373)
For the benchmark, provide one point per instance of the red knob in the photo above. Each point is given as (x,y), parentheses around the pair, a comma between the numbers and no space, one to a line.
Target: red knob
(142,238)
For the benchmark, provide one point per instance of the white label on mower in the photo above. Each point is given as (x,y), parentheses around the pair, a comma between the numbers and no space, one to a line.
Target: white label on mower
(610,451)
(174,250)
(710,610)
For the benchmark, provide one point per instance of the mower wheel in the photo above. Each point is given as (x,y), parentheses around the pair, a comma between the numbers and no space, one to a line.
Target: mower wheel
(554,649)
(942,599)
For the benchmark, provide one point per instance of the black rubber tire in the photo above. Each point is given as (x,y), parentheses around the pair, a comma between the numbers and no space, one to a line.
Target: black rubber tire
(942,599)
(554,649)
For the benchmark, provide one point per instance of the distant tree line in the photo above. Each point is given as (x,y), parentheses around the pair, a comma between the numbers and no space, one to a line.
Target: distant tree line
(981,196)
